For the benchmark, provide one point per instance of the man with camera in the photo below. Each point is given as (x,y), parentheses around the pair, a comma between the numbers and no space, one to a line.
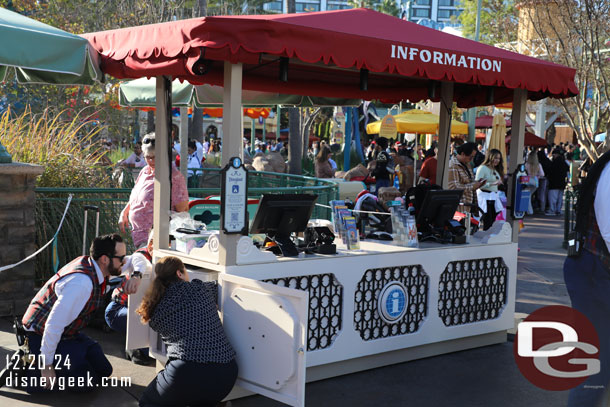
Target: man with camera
(462,177)
(61,309)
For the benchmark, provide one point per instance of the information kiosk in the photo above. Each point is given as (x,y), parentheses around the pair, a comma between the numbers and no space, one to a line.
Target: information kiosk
(354,310)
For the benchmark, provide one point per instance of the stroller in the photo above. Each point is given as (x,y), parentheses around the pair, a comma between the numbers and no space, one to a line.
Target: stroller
(380,220)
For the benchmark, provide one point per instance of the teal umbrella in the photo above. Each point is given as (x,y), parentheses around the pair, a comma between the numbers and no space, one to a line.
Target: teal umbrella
(142,93)
(40,53)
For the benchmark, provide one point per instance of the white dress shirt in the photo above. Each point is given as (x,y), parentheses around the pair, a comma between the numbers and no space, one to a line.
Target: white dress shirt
(193,162)
(136,262)
(602,204)
(72,292)
(199,150)
(137,160)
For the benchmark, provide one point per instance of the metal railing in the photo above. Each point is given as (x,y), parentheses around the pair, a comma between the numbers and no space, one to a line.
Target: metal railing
(51,202)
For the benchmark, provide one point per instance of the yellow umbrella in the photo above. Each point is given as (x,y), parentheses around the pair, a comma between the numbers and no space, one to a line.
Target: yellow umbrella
(418,121)
(497,139)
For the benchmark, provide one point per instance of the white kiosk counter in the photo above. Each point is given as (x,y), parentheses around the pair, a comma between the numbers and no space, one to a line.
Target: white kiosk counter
(358,310)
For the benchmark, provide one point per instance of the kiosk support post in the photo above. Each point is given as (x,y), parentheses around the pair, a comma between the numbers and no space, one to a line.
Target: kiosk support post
(231,145)
(516,149)
(162,168)
(444,130)
(184,140)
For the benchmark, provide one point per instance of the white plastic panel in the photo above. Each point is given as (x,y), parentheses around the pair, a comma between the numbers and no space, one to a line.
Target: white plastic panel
(266,325)
(137,333)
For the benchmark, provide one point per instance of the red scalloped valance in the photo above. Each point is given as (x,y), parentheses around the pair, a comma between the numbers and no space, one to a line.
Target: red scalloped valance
(327,50)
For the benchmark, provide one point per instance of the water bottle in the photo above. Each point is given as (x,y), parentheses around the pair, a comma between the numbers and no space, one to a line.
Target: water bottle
(396,182)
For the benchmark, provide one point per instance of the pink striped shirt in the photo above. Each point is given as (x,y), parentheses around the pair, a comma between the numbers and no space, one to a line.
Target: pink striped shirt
(141,201)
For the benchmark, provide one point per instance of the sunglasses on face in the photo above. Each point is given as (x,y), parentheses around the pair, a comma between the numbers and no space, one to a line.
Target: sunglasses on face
(121,258)
(150,141)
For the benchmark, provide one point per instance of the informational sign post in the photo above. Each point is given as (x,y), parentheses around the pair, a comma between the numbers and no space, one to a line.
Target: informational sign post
(388,127)
(234,197)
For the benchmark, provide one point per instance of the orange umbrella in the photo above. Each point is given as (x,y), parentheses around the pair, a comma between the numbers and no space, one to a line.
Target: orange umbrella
(253,113)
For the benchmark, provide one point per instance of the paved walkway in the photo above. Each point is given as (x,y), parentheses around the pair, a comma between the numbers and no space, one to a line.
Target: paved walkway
(482,377)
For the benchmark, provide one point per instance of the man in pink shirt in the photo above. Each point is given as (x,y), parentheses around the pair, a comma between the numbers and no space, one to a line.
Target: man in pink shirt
(139,211)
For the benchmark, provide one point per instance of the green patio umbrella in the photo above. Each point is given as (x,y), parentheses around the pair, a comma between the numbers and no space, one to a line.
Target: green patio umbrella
(142,93)
(40,53)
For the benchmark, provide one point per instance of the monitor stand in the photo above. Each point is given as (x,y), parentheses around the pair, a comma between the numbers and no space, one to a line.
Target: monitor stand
(286,245)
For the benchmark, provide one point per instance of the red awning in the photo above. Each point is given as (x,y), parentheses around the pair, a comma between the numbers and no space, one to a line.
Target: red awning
(326,52)
(486,122)
(530,140)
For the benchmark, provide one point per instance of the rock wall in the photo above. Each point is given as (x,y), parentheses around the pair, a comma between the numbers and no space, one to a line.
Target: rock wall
(17,235)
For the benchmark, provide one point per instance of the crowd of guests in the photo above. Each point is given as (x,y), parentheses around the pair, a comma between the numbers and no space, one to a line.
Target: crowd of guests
(480,173)
(547,167)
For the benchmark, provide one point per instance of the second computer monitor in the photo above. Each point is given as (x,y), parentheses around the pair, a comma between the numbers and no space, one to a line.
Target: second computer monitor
(438,207)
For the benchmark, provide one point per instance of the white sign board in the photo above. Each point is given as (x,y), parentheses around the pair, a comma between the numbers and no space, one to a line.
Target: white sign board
(234,197)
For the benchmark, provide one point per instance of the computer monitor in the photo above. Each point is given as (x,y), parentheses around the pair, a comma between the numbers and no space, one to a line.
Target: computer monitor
(438,208)
(279,215)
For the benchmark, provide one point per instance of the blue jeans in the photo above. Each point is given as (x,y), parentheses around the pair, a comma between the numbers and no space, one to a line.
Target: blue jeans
(116,317)
(184,383)
(588,283)
(542,193)
(86,359)
(555,200)
(381,183)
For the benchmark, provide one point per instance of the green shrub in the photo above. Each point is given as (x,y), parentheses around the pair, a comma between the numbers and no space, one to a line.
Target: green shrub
(65,146)
(118,155)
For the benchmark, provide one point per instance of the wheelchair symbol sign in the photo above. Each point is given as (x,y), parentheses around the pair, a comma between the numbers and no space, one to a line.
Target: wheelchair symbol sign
(235,189)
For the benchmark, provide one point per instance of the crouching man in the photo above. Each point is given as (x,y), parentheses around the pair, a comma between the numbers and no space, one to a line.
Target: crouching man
(61,309)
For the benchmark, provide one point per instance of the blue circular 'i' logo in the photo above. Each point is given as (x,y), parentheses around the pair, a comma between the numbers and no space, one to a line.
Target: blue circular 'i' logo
(392,302)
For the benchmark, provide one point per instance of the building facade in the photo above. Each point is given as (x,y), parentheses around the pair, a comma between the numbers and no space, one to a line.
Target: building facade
(435,10)
(305,6)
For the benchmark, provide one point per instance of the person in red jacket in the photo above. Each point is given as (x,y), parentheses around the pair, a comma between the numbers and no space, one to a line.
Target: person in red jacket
(62,309)
(428,168)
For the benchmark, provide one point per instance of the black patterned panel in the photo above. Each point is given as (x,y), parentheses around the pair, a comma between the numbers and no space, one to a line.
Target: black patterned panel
(325,306)
(472,291)
(367,320)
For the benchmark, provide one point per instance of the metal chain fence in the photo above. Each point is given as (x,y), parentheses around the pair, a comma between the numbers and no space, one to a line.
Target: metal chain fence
(50,205)
(51,202)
